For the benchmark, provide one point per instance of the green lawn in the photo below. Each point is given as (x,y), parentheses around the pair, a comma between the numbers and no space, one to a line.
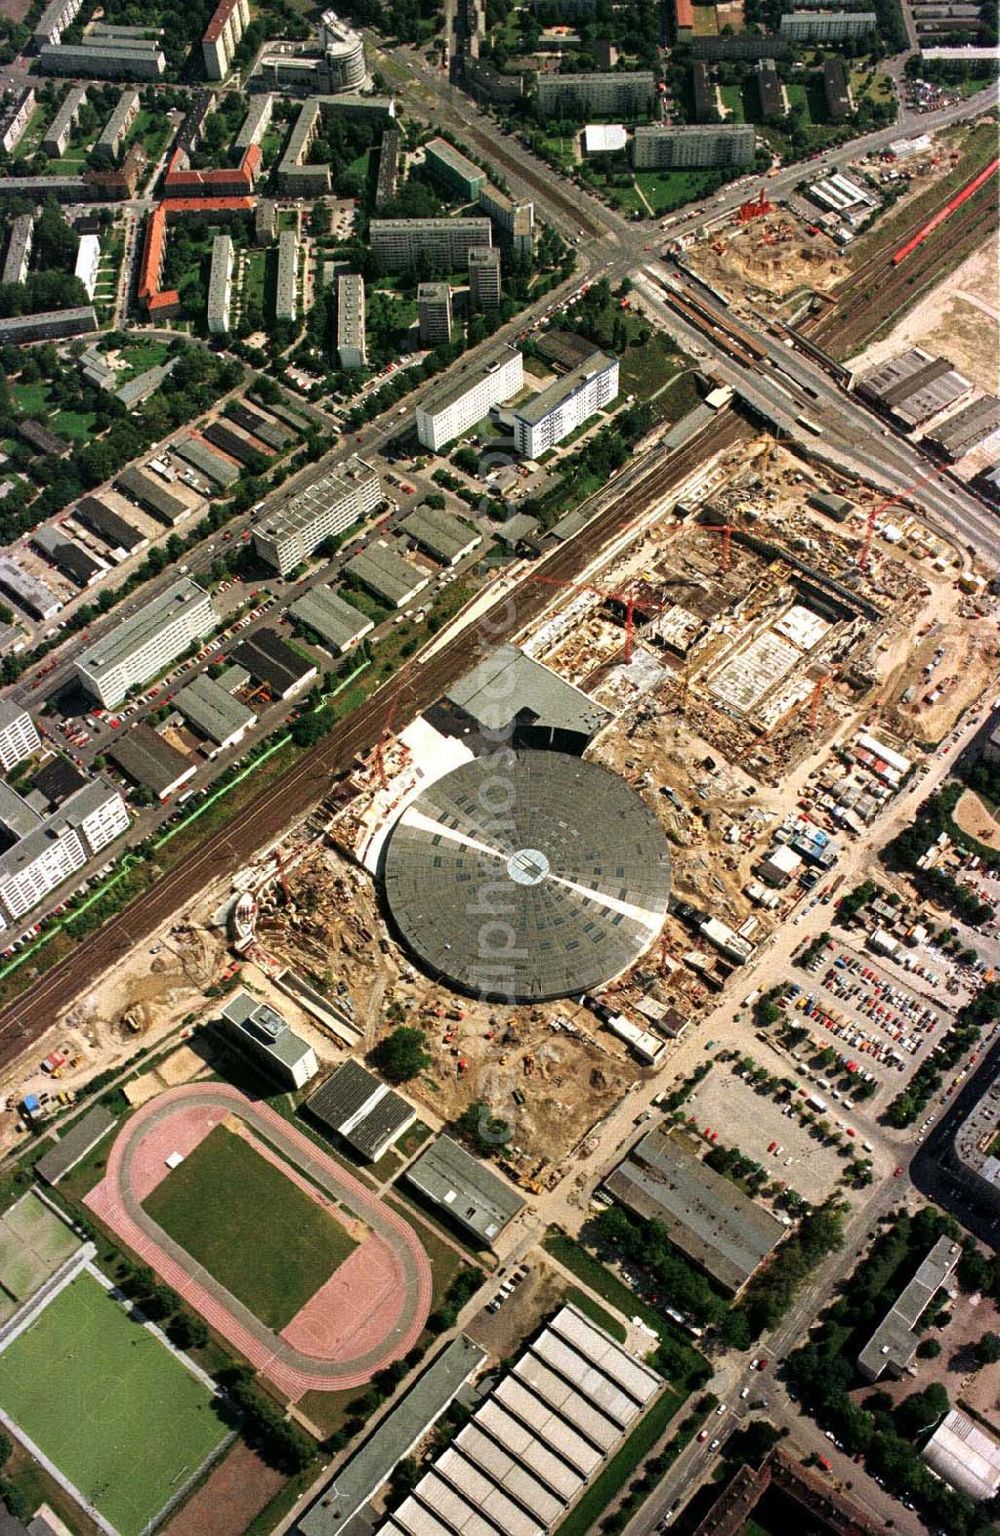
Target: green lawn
(666,190)
(645,369)
(255,1231)
(732,97)
(78,426)
(31,397)
(597,1314)
(117,1413)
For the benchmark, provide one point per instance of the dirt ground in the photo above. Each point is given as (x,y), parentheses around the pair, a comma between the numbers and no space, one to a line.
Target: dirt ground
(960,320)
(774,254)
(973,817)
(233,1494)
(969,656)
(503,1331)
(15,10)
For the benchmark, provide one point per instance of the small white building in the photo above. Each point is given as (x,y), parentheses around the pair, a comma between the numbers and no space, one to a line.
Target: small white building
(780,865)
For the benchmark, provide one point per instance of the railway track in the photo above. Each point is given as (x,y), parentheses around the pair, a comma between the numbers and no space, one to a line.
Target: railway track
(305,783)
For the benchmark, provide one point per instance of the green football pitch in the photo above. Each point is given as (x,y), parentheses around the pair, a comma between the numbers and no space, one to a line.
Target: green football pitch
(120,1416)
(33,1244)
(255,1232)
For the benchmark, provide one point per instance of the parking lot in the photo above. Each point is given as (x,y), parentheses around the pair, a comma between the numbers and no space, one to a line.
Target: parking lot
(753,1122)
(883,1027)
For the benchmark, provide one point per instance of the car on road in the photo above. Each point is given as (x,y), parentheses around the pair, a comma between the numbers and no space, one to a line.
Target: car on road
(703,1436)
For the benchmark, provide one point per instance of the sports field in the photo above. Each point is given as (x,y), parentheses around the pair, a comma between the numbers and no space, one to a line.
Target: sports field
(117,1413)
(33,1244)
(254,1230)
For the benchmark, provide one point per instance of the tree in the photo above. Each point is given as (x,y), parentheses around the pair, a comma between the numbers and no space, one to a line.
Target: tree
(929,1349)
(987,1351)
(187,1331)
(402,1055)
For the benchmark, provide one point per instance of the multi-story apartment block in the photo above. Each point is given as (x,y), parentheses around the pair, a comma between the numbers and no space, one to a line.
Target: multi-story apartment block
(701,144)
(629,93)
(145,644)
(220,285)
(515,222)
(50,324)
(49,849)
(54,20)
(453,170)
(327,507)
(388,168)
(837,90)
(352,351)
(14,119)
(118,124)
(139,59)
(285,300)
(255,124)
(434,313)
(828,26)
(295,177)
(484,278)
(22,234)
(399,244)
(18,737)
(222,36)
(458,404)
(557,411)
(343,54)
(57,134)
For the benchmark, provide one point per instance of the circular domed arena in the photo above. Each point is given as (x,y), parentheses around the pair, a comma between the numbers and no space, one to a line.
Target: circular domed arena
(526,876)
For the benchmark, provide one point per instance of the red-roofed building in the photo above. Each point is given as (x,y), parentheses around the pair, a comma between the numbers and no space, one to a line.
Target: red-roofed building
(222,36)
(165,302)
(224,183)
(683,18)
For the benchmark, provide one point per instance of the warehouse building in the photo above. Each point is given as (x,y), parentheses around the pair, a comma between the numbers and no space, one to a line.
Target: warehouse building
(116,129)
(387,574)
(58,133)
(552,1422)
(464,1189)
(625,94)
(264,428)
(959,433)
(339,625)
(15,115)
(147,643)
(466,398)
(42,440)
(328,507)
(352,350)
(399,244)
(704,1214)
(220,285)
(18,736)
(272,661)
(238,445)
(68,557)
(54,847)
(913,386)
(453,170)
(151,762)
(851,27)
(661,148)
(222,36)
(965,1455)
(285,302)
(355,1104)
(119,535)
(214,713)
(140,59)
(28,592)
(893,1345)
(153,497)
(565,405)
(510,694)
(484,278)
(216,466)
(22,234)
(434,314)
(264,1036)
(445,537)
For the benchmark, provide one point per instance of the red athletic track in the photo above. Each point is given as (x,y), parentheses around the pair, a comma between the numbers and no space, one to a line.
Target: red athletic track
(386,1325)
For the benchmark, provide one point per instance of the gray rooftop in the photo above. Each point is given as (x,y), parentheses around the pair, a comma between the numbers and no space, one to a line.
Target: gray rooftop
(262,1023)
(16,815)
(358,1106)
(536,409)
(444,536)
(463,380)
(128,636)
(71,813)
(334,621)
(200,455)
(272,661)
(213,710)
(464,1188)
(74,1143)
(894,1343)
(299,513)
(401,1429)
(508,684)
(387,572)
(705,1215)
(147,759)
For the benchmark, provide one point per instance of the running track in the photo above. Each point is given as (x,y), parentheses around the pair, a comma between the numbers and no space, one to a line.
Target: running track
(397,1317)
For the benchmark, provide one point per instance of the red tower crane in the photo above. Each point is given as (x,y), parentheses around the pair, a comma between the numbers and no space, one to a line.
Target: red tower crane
(822,684)
(627,598)
(864,554)
(754,208)
(379,759)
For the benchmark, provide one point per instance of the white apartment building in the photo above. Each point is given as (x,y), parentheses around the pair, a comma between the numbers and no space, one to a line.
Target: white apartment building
(57,845)
(557,411)
(285,307)
(459,404)
(324,509)
(352,351)
(398,244)
(88,261)
(220,285)
(146,643)
(222,36)
(18,737)
(828,26)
